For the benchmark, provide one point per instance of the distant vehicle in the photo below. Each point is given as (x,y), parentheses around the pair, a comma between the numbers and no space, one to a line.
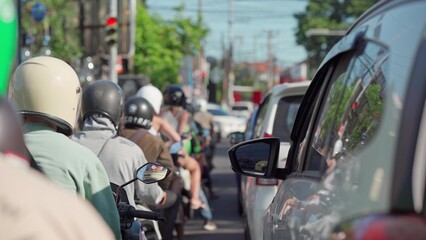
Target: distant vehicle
(242,109)
(225,123)
(275,118)
(356,166)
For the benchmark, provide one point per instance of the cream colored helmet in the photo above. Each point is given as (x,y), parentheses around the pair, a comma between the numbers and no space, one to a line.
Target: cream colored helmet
(153,95)
(49,88)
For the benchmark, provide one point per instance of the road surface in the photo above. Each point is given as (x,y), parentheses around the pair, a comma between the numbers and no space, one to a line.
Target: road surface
(225,211)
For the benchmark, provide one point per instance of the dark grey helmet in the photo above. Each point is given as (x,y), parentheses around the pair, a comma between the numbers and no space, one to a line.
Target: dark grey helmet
(174,96)
(103,97)
(138,113)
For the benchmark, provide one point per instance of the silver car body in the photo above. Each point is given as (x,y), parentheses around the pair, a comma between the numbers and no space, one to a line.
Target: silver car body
(371,158)
(257,193)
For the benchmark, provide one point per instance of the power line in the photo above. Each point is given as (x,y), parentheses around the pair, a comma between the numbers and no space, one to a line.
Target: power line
(220,11)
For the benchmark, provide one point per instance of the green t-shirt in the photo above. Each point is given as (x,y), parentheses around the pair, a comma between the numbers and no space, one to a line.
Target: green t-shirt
(73,167)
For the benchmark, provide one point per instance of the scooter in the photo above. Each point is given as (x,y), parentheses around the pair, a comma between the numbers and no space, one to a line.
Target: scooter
(131,228)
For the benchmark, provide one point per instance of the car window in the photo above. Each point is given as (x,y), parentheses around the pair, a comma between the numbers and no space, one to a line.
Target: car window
(351,109)
(250,125)
(285,116)
(261,114)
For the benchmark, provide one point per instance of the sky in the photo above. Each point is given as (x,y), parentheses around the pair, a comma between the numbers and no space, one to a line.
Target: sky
(252,22)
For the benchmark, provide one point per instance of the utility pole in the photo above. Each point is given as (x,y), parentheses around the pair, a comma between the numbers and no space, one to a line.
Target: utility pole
(200,11)
(255,59)
(271,61)
(255,48)
(201,85)
(228,80)
(113,76)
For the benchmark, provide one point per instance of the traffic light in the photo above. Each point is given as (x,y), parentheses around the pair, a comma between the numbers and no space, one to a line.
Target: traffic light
(111,31)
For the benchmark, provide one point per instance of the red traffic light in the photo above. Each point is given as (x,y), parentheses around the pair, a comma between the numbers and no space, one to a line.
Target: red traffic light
(111,21)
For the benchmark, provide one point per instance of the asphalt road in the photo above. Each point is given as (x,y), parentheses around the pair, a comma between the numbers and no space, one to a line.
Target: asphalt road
(225,211)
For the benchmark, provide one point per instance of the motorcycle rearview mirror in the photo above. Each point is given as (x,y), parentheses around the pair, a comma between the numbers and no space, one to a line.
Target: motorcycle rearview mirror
(148,173)
(152,173)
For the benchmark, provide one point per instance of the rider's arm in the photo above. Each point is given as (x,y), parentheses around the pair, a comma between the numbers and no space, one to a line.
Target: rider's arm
(194,169)
(166,129)
(165,159)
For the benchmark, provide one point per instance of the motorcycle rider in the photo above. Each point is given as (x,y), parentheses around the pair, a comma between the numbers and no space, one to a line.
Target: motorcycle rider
(101,109)
(204,122)
(74,218)
(155,97)
(180,119)
(47,93)
(176,115)
(138,116)
(20,217)
(159,125)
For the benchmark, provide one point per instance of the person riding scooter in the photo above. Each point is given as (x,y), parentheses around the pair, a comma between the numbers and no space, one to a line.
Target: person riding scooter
(30,203)
(138,116)
(101,109)
(47,93)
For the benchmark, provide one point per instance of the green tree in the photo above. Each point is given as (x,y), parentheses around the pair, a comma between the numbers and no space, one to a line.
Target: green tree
(370,115)
(338,100)
(152,57)
(330,14)
(190,32)
(61,23)
(161,45)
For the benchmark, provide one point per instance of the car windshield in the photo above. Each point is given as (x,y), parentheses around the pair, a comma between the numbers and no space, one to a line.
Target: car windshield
(218,112)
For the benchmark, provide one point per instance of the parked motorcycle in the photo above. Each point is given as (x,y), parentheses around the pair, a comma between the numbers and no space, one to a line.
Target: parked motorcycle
(130,226)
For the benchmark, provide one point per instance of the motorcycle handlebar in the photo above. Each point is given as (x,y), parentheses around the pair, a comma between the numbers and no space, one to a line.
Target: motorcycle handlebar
(128,212)
(146,215)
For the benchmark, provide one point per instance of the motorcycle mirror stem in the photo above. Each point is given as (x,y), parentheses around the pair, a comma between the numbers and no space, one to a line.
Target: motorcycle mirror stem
(148,173)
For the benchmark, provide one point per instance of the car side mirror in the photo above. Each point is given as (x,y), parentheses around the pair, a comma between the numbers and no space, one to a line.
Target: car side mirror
(256,158)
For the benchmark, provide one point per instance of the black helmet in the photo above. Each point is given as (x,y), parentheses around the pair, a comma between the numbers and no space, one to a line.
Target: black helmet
(138,113)
(174,96)
(103,97)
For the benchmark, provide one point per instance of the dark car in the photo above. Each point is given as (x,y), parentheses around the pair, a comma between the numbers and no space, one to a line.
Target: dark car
(356,167)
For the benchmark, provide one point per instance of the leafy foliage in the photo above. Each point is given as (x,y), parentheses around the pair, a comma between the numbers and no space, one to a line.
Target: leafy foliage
(161,45)
(369,117)
(329,14)
(339,95)
(62,22)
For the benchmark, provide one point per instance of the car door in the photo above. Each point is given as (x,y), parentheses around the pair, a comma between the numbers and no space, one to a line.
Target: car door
(344,105)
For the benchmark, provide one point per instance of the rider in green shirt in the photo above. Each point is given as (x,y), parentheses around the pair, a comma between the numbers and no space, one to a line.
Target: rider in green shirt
(47,93)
